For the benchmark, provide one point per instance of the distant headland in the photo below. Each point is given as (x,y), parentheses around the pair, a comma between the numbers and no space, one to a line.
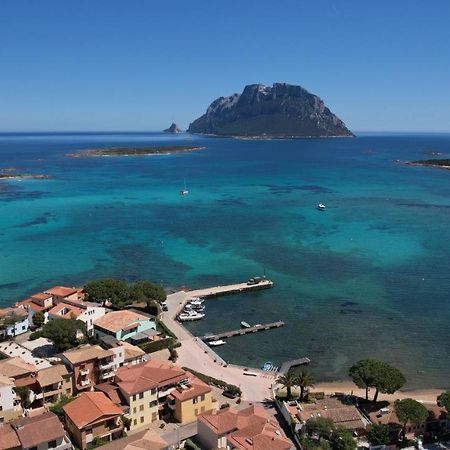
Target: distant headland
(278,111)
(440,163)
(174,128)
(134,151)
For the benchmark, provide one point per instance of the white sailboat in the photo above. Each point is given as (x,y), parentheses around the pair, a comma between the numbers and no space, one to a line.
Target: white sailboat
(184,191)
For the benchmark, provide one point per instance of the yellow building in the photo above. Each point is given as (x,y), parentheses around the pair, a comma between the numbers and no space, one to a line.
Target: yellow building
(189,400)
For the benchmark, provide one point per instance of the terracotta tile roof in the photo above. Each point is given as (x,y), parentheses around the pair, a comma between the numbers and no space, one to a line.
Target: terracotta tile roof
(51,375)
(65,311)
(16,367)
(90,407)
(195,388)
(150,441)
(28,303)
(41,296)
(61,291)
(8,437)
(250,428)
(6,381)
(33,431)
(131,351)
(148,375)
(86,353)
(111,390)
(119,320)
(5,312)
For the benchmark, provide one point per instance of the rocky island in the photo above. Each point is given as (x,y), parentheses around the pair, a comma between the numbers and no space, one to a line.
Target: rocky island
(135,151)
(278,111)
(441,163)
(10,173)
(173,129)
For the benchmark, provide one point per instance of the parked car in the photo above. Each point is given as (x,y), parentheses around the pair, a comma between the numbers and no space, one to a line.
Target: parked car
(230,394)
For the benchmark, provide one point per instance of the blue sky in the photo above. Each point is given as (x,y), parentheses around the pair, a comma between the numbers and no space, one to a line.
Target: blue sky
(141,64)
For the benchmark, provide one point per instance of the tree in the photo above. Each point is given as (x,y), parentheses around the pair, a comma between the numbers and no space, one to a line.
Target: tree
(287,381)
(410,410)
(57,408)
(443,400)
(38,319)
(378,434)
(322,426)
(304,380)
(147,291)
(64,333)
(342,439)
(108,289)
(24,395)
(378,374)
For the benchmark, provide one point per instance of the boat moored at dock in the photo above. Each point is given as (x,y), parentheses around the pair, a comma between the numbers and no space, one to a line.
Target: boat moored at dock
(188,316)
(216,343)
(245,324)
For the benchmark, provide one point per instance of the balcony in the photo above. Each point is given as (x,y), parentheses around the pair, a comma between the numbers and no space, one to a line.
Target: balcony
(106,365)
(84,371)
(107,375)
(85,383)
(171,404)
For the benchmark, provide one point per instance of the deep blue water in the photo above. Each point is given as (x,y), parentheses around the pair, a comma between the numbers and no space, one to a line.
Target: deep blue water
(366,278)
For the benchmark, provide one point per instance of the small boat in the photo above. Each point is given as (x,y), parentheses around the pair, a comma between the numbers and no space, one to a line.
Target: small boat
(198,308)
(216,343)
(245,324)
(321,207)
(197,301)
(184,191)
(190,316)
(267,366)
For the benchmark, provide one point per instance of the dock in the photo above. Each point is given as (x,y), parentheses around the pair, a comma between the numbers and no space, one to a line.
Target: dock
(230,289)
(242,331)
(288,365)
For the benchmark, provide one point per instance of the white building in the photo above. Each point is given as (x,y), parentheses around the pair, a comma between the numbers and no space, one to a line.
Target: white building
(9,403)
(15,321)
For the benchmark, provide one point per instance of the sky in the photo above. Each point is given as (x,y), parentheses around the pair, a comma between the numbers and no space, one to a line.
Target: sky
(140,64)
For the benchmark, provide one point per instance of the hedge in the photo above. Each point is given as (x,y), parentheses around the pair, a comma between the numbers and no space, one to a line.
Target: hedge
(150,347)
(214,381)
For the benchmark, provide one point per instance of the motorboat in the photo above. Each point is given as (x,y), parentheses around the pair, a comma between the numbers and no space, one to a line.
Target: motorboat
(267,366)
(198,308)
(321,207)
(245,324)
(197,301)
(190,316)
(184,191)
(216,343)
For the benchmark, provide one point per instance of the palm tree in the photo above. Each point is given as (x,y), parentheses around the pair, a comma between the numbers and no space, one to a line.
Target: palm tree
(304,380)
(287,381)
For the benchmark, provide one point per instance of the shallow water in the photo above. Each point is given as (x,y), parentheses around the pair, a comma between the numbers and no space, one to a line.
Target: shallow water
(366,277)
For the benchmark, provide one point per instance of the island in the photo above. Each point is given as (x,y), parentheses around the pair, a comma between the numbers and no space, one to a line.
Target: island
(173,129)
(264,112)
(135,151)
(10,173)
(440,163)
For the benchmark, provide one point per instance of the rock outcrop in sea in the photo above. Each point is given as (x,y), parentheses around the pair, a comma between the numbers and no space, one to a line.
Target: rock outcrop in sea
(279,111)
(173,129)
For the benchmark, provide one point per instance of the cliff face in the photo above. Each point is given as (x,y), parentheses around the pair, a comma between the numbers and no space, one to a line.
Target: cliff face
(281,110)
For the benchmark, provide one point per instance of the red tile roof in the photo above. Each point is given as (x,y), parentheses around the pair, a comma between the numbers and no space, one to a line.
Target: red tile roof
(36,430)
(71,311)
(62,291)
(194,388)
(90,407)
(151,374)
(8,437)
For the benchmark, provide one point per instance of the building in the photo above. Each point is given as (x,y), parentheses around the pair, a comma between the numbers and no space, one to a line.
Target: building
(384,413)
(123,325)
(90,365)
(40,302)
(124,352)
(9,403)
(146,439)
(80,311)
(23,373)
(53,382)
(39,432)
(92,416)
(14,321)
(64,294)
(190,399)
(337,408)
(250,428)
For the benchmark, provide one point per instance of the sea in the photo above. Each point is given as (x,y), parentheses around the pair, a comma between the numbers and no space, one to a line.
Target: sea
(366,278)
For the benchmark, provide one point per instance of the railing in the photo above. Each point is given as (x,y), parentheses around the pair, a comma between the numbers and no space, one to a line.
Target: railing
(108,365)
(107,375)
(84,371)
(85,382)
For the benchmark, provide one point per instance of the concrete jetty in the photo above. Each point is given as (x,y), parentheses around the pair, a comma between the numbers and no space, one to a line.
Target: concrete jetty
(288,365)
(242,331)
(230,289)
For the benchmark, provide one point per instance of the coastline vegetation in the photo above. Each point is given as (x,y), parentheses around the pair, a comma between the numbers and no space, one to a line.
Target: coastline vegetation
(135,151)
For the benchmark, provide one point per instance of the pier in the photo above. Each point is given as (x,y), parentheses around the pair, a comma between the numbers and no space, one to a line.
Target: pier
(243,331)
(288,365)
(230,289)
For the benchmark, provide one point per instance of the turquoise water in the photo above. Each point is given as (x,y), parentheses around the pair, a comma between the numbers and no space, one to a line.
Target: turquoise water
(366,278)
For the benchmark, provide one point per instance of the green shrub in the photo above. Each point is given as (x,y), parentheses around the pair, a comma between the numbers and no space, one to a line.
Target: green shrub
(190,445)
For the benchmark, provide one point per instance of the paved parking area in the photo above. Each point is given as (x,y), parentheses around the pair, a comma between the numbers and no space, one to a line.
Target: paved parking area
(12,349)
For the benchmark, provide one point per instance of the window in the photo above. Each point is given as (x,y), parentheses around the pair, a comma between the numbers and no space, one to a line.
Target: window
(1,408)
(195,400)
(141,395)
(134,410)
(142,419)
(196,411)
(52,444)
(141,408)
(153,391)
(154,416)
(135,422)
(202,398)
(134,398)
